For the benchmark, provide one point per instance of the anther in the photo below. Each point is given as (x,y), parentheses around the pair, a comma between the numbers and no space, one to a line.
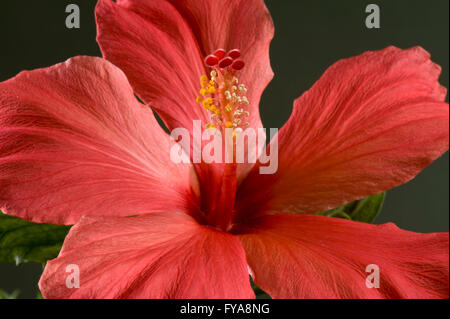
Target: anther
(221,95)
(212,89)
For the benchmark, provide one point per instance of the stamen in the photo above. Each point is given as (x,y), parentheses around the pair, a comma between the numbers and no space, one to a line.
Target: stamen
(221,94)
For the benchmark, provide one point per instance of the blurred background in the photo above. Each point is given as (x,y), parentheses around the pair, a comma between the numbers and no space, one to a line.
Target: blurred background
(310,35)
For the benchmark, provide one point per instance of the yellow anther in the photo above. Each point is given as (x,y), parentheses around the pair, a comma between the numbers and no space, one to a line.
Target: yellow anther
(204,92)
(222,96)
(211,89)
(203,80)
(206,104)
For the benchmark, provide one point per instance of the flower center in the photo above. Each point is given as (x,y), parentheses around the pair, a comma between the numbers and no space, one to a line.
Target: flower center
(221,94)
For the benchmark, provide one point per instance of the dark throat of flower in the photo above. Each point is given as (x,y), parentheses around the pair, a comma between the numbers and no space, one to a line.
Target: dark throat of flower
(223,97)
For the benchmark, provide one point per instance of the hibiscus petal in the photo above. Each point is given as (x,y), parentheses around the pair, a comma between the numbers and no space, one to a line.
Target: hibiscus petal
(160,45)
(308,256)
(161,255)
(371,123)
(242,24)
(155,48)
(75,141)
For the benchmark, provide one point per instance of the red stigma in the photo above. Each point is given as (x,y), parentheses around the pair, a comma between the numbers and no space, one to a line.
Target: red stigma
(211,60)
(225,62)
(238,65)
(234,54)
(221,59)
(220,54)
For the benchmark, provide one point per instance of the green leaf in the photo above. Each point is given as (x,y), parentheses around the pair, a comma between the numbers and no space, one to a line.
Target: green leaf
(368,208)
(364,210)
(5,295)
(22,241)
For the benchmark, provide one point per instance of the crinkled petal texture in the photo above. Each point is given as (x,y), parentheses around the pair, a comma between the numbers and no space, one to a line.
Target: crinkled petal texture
(308,256)
(370,123)
(161,255)
(161,44)
(75,141)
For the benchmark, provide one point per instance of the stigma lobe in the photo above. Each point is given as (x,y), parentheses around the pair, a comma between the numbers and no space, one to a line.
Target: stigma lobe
(224,59)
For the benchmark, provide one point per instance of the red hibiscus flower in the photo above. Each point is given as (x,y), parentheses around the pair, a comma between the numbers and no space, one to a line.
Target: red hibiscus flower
(77,147)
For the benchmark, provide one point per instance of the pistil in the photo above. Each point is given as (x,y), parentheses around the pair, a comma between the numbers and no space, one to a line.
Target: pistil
(222,95)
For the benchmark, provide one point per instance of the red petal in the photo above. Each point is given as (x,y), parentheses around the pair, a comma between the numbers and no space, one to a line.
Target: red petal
(161,255)
(161,44)
(75,141)
(306,256)
(236,24)
(155,48)
(370,123)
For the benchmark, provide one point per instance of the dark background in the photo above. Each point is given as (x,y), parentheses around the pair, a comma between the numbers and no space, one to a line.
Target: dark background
(310,36)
